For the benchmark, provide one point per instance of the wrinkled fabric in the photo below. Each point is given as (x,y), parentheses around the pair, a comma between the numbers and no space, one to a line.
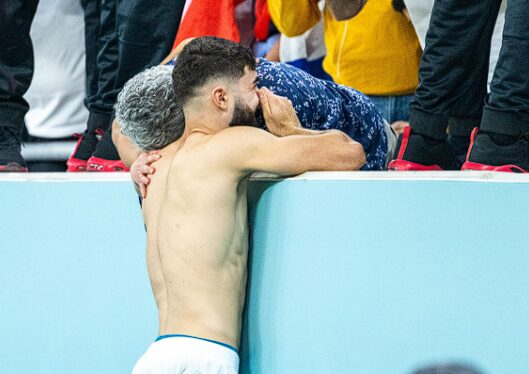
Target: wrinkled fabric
(324,105)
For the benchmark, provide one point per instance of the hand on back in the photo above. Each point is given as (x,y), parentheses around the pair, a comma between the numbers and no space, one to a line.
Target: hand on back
(141,170)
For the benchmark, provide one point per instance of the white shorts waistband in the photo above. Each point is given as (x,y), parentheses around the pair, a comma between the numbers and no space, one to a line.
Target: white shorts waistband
(200,348)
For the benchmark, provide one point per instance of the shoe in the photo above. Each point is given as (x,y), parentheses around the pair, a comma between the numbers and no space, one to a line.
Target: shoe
(86,145)
(485,154)
(11,161)
(460,146)
(106,158)
(418,153)
(102,165)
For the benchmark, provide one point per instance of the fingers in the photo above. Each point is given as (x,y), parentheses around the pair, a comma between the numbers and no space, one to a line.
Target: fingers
(263,95)
(146,170)
(143,163)
(273,99)
(264,100)
(142,181)
(139,177)
(266,91)
(142,169)
(143,191)
(276,100)
(151,157)
(142,172)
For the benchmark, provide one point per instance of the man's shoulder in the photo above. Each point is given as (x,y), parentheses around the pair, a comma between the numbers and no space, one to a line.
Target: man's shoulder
(208,152)
(237,134)
(233,145)
(229,137)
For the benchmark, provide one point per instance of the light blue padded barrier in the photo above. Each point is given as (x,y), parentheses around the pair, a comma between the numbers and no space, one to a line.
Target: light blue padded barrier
(358,276)
(350,273)
(74,291)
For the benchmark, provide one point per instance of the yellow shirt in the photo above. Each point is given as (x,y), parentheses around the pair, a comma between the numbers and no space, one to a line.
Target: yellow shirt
(377,52)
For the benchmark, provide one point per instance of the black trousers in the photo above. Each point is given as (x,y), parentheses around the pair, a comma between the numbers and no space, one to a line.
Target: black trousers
(454,69)
(122,38)
(16,61)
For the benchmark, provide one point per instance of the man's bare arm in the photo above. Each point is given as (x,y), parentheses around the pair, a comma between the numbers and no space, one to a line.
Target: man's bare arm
(289,155)
(345,9)
(328,151)
(175,52)
(288,149)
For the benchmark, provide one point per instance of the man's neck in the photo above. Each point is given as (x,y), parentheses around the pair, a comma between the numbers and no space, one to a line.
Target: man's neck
(201,120)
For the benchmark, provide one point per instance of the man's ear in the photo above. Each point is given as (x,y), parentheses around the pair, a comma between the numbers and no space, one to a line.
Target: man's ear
(220,98)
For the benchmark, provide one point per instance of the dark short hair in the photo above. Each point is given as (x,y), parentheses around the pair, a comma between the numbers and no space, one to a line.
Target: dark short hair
(207,58)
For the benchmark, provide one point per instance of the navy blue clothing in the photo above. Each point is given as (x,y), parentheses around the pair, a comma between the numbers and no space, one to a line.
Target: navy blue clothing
(325,105)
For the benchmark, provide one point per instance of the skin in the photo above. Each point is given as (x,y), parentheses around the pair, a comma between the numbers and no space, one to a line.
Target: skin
(273,53)
(129,153)
(175,52)
(399,126)
(345,9)
(196,209)
(140,162)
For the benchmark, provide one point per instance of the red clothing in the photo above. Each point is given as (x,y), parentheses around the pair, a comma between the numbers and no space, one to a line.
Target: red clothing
(209,18)
(262,20)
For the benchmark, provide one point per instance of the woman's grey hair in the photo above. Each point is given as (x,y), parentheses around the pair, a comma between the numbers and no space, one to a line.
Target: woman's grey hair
(148,111)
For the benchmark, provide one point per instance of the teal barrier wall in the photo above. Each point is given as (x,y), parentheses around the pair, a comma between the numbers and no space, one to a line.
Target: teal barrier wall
(362,276)
(348,275)
(74,289)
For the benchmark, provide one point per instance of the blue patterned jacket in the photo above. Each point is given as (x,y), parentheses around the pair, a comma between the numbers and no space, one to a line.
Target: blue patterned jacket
(324,105)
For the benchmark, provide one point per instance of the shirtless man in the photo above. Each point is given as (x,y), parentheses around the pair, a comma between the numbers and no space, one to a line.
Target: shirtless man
(319,105)
(196,209)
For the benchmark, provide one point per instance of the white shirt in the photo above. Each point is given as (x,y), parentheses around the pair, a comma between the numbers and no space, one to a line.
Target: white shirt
(57,90)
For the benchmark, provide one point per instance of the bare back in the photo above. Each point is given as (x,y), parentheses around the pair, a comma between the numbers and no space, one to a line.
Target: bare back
(196,218)
(197,242)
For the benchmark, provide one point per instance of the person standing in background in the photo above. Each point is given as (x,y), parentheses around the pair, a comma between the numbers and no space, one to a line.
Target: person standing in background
(16,71)
(371,46)
(306,51)
(453,92)
(122,37)
(267,36)
(57,90)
